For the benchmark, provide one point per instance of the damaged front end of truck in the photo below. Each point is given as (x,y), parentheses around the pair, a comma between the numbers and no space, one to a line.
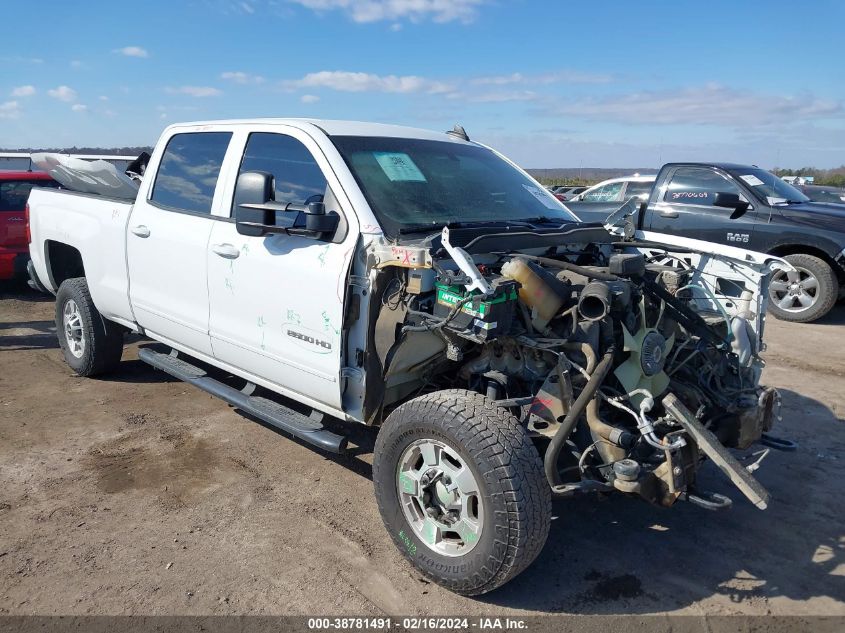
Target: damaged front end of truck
(629,362)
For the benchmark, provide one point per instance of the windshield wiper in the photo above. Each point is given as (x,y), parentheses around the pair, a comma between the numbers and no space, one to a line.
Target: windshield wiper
(419,228)
(543,220)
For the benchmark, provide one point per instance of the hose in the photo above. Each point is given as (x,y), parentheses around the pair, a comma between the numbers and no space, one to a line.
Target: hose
(577,410)
(616,439)
(433,325)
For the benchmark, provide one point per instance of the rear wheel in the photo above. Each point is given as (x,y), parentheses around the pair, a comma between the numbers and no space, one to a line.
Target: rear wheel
(805,295)
(461,489)
(91,344)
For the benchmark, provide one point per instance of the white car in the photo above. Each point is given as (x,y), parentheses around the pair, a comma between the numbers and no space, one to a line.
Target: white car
(422,283)
(618,189)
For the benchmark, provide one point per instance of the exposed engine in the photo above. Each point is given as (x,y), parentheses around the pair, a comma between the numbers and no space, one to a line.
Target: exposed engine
(622,362)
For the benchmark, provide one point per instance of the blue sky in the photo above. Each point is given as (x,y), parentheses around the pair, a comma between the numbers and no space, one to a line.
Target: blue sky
(550,83)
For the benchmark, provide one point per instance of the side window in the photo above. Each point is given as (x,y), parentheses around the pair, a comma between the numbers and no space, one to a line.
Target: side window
(189,169)
(638,189)
(607,193)
(694,185)
(297,176)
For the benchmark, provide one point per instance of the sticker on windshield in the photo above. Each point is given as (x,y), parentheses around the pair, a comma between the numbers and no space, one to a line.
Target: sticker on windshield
(399,167)
(547,200)
(752,180)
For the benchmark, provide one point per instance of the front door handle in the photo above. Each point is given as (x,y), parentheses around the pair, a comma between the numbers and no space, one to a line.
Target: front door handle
(140,230)
(226,250)
(666,213)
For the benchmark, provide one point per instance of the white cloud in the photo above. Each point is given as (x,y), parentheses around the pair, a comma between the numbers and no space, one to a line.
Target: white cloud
(10,110)
(63,93)
(195,91)
(132,51)
(483,89)
(17,59)
(309,98)
(561,76)
(243,78)
(103,98)
(246,7)
(415,10)
(497,96)
(78,107)
(711,104)
(344,81)
(23,91)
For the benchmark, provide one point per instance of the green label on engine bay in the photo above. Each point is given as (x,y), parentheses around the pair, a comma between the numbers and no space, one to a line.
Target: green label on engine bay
(450,295)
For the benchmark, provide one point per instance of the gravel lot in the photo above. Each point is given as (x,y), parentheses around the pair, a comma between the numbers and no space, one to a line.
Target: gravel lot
(137,494)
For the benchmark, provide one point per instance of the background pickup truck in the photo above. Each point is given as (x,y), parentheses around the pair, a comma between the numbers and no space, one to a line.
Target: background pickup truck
(747,206)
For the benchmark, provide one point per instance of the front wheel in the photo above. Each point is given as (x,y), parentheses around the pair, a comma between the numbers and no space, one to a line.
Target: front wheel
(461,490)
(805,295)
(91,344)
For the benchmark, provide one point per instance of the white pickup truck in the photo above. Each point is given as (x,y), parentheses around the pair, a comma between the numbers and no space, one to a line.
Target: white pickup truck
(423,283)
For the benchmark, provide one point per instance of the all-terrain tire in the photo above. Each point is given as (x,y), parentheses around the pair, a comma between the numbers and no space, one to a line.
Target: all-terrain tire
(826,295)
(101,343)
(516,497)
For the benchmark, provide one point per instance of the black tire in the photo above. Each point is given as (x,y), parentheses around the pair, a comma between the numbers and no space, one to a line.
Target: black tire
(826,295)
(516,497)
(102,340)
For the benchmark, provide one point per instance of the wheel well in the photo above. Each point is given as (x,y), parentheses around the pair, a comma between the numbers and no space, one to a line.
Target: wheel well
(63,262)
(798,249)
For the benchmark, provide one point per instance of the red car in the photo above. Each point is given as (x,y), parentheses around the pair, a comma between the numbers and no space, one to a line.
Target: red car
(14,243)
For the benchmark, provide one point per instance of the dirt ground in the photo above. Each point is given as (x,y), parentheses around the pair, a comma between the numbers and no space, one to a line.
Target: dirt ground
(137,494)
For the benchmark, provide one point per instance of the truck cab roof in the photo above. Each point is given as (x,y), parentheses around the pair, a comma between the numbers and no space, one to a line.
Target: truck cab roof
(723,166)
(329,127)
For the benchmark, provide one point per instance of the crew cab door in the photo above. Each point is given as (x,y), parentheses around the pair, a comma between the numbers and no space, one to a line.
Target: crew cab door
(167,240)
(684,206)
(277,301)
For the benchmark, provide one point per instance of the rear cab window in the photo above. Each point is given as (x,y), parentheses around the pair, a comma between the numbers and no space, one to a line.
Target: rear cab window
(15,193)
(188,172)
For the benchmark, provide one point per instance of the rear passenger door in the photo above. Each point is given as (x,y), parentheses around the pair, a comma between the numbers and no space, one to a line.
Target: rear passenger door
(685,208)
(167,241)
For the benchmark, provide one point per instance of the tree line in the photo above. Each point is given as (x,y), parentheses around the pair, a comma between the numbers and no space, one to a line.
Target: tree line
(828,177)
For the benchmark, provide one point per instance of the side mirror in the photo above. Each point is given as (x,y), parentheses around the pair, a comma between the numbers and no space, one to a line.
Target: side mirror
(257,213)
(254,190)
(730,201)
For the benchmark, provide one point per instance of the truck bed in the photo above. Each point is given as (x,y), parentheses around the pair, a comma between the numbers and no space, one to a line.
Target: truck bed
(95,226)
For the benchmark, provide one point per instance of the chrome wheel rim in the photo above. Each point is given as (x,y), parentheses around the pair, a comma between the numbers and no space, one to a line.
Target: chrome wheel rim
(74,333)
(794,291)
(440,497)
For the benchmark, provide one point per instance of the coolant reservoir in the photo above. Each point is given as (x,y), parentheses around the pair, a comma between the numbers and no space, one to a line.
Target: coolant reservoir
(535,292)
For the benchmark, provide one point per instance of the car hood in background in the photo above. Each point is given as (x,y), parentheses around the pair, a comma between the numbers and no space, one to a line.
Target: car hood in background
(821,214)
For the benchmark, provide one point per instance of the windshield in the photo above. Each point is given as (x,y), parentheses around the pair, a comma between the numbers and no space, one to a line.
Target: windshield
(411,184)
(769,187)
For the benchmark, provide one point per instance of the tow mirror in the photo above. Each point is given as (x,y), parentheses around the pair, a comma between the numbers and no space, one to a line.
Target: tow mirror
(731,201)
(257,213)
